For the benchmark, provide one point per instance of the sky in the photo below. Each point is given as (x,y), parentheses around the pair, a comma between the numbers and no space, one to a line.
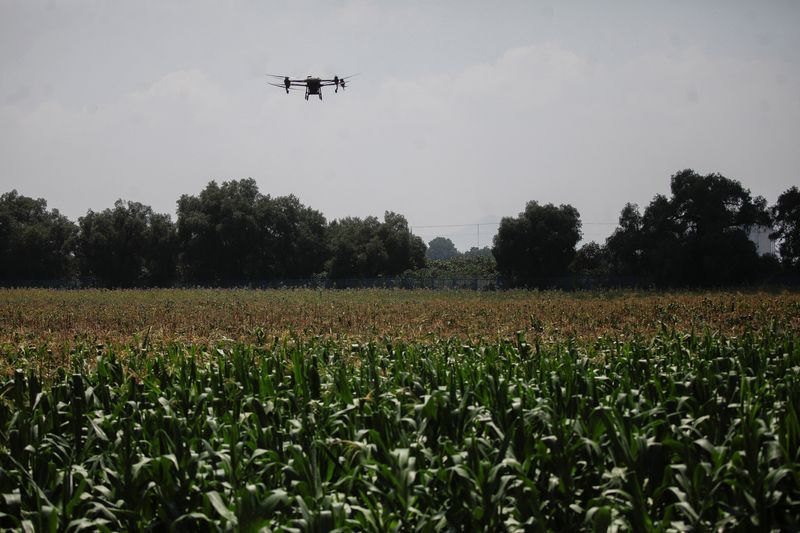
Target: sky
(461,111)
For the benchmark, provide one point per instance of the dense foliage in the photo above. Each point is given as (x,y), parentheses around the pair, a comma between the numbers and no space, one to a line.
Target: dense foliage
(696,237)
(591,258)
(35,244)
(129,245)
(462,266)
(679,432)
(441,248)
(369,248)
(786,215)
(537,244)
(231,234)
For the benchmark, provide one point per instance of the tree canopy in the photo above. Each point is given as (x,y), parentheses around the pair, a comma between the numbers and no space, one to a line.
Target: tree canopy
(786,213)
(369,248)
(590,259)
(697,237)
(127,246)
(479,252)
(441,248)
(231,232)
(35,244)
(625,246)
(538,243)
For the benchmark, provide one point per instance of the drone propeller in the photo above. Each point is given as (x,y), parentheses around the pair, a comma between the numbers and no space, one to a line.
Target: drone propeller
(281,86)
(340,82)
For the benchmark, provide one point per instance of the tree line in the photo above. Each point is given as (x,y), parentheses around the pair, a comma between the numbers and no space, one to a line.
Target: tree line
(230,233)
(698,236)
(227,234)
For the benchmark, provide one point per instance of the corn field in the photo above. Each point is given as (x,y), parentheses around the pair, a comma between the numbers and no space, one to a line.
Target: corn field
(667,432)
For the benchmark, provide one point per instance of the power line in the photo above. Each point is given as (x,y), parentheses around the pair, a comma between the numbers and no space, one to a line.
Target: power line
(421,226)
(477,226)
(457,225)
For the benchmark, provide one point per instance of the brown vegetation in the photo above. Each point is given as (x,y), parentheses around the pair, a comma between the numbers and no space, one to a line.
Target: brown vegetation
(59,317)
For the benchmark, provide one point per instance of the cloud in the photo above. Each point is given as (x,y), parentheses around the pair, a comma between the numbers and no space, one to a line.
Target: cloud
(544,122)
(145,141)
(521,79)
(190,86)
(538,122)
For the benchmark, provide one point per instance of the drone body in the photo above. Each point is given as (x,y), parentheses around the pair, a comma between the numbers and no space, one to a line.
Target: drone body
(310,84)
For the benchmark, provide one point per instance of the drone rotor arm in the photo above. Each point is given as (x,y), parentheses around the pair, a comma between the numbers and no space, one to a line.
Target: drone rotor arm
(281,86)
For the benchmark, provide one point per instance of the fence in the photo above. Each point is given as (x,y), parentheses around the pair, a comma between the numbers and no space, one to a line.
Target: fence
(565,283)
(400,282)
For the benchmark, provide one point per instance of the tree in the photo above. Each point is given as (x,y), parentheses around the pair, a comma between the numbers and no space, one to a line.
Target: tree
(696,237)
(35,244)
(218,232)
(786,214)
(539,243)
(370,248)
(713,203)
(405,251)
(712,216)
(294,237)
(232,232)
(127,246)
(592,259)
(625,246)
(479,252)
(663,256)
(441,248)
(161,254)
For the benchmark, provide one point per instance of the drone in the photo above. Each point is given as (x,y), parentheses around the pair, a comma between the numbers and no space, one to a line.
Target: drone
(311,84)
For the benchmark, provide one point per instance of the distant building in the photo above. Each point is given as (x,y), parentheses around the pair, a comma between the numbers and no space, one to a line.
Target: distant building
(760,236)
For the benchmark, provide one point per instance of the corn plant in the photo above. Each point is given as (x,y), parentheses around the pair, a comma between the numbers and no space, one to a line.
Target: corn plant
(669,432)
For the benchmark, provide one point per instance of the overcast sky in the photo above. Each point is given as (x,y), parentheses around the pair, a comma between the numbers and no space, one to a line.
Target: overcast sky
(462,111)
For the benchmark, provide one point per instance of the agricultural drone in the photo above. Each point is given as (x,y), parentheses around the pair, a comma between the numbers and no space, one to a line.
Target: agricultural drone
(311,84)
